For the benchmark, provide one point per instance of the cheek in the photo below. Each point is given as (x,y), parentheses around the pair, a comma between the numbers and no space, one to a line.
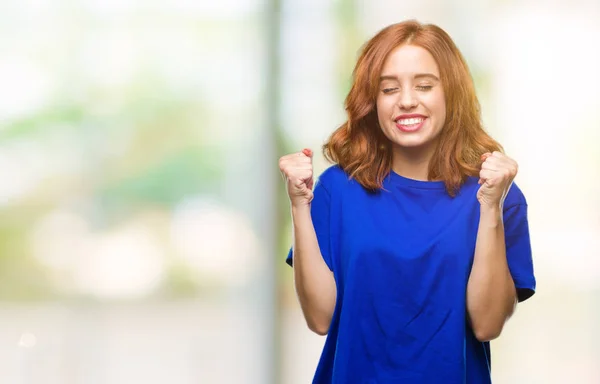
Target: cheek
(442,111)
(384,110)
(438,106)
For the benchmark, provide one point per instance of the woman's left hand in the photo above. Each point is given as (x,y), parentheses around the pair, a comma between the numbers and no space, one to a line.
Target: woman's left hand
(496,176)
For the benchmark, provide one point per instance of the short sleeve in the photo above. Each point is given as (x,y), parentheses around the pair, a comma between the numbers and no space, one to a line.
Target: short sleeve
(518,250)
(320,212)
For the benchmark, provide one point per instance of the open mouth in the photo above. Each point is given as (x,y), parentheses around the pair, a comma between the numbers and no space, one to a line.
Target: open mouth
(410,124)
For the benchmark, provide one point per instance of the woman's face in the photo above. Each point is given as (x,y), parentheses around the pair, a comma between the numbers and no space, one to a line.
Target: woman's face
(411,108)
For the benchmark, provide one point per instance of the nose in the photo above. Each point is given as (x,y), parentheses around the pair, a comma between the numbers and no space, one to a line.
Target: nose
(407,100)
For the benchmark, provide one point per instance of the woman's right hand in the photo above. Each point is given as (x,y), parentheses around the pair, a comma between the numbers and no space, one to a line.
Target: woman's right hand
(297,171)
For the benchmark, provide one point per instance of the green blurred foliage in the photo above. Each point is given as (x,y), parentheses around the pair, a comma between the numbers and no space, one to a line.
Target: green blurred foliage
(147,153)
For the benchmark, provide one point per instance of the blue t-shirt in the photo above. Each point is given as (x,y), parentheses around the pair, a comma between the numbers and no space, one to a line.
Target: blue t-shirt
(401,259)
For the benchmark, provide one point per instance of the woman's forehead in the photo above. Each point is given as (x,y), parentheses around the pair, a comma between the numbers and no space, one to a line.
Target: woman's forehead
(409,60)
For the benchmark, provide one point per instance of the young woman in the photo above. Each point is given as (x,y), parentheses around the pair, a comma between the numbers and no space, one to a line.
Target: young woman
(413,249)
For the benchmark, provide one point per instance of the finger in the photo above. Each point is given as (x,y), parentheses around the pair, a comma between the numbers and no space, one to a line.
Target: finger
(287,160)
(491,165)
(488,177)
(301,176)
(510,162)
(502,166)
(484,158)
(302,166)
(309,181)
(500,162)
(501,159)
(294,160)
(298,183)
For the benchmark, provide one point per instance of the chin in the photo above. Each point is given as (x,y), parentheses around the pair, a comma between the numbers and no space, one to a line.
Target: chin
(411,142)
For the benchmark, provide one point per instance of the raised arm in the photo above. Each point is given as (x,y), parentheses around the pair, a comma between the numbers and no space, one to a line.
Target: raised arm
(313,279)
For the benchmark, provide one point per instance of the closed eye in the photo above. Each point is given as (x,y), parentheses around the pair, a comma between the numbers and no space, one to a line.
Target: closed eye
(424,87)
(389,90)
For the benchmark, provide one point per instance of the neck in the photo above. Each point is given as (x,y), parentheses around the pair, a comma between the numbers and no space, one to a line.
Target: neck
(412,163)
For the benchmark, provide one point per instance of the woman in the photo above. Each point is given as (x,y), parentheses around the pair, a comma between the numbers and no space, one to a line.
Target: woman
(413,249)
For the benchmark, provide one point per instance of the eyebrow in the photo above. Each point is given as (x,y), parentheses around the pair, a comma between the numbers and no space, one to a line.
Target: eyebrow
(417,76)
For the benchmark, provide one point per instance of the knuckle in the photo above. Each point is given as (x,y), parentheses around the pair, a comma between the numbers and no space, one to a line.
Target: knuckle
(284,160)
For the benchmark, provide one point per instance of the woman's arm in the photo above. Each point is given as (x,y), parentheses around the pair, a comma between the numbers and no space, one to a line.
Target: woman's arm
(491,293)
(314,281)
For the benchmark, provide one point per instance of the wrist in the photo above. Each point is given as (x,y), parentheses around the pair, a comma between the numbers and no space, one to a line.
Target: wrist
(492,208)
(300,208)
(491,215)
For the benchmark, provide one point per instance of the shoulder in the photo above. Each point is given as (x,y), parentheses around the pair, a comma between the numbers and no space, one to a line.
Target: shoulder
(514,197)
(334,177)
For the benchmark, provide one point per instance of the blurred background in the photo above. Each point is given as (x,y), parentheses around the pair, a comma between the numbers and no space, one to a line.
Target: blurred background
(143,222)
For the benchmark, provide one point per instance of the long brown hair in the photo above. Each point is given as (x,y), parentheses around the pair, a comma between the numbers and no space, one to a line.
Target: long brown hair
(359,146)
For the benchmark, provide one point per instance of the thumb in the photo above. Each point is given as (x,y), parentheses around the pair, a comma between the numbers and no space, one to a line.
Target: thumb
(483,159)
(308,152)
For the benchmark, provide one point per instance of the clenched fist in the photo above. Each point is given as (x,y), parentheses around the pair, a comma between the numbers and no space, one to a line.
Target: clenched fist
(496,176)
(297,171)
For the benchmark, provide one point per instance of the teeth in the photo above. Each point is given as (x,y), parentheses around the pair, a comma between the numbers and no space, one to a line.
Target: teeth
(411,121)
